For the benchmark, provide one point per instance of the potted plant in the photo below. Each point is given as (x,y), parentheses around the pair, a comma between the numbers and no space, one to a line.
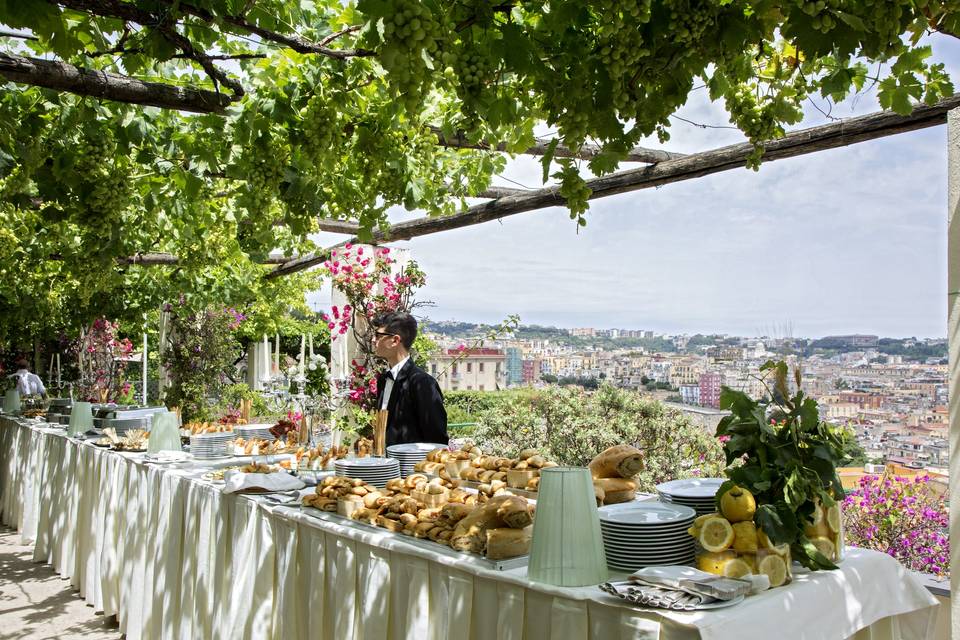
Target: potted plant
(780,451)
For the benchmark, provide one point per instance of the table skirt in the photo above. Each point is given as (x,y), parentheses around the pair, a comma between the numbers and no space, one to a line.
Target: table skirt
(173,557)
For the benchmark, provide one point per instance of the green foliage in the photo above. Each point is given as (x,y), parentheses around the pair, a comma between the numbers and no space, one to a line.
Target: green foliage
(786,456)
(468,406)
(572,425)
(231,395)
(201,359)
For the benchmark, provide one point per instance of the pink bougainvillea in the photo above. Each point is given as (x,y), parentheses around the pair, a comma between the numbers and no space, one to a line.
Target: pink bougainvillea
(905,518)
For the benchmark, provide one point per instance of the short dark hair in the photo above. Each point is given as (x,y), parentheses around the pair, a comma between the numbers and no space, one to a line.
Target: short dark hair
(399,323)
(23,363)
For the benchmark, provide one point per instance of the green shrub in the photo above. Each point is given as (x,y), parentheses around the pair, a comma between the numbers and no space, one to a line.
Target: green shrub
(571,425)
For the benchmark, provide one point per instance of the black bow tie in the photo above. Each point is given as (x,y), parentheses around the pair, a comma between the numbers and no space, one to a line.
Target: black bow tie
(389,374)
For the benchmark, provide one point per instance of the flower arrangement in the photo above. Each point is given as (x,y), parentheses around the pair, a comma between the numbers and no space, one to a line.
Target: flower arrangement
(101,353)
(201,357)
(371,288)
(905,518)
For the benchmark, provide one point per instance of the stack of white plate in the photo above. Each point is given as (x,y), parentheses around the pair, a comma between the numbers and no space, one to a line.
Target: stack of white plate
(696,493)
(411,453)
(250,431)
(644,534)
(375,471)
(210,445)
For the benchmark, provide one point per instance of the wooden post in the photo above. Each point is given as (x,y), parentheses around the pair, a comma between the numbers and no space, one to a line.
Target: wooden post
(953,341)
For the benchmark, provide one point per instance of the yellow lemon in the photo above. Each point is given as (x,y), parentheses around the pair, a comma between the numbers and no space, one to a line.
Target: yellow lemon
(817,531)
(765,543)
(745,537)
(714,562)
(738,505)
(701,519)
(716,534)
(817,514)
(694,531)
(826,547)
(833,518)
(736,568)
(774,568)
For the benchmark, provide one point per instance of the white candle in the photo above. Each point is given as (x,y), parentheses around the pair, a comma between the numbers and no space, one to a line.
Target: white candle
(50,372)
(144,381)
(311,346)
(265,358)
(276,355)
(303,344)
(58,369)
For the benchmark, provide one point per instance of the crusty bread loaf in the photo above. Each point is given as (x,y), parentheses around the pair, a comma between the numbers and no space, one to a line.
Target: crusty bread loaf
(504,543)
(619,461)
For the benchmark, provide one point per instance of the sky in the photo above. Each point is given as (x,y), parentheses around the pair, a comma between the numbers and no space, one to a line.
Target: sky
(851,240)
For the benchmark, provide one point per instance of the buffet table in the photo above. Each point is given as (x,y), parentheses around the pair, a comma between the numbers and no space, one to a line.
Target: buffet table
(174,557)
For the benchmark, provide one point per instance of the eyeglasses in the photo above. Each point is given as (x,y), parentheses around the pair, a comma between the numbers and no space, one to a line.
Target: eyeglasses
(377,335)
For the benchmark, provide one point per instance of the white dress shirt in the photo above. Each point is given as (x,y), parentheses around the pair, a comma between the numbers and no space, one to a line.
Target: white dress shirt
(388,381)
(29,383)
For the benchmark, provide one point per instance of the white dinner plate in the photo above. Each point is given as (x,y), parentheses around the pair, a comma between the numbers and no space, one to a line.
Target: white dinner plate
(654,527)
(692,487)
(645,513)
(649,557)
(368,462)
(410,448)
(649,545)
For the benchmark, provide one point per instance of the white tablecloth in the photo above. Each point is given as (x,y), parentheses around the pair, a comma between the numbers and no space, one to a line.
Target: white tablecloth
(174,557)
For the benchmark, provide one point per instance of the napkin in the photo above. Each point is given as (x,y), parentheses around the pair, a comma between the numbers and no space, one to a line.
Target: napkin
(279,481)
(652,596)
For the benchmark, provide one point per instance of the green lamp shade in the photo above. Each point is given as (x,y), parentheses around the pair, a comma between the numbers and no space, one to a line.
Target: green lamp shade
(81,418)
(11,401)
(567,549)
(164,433)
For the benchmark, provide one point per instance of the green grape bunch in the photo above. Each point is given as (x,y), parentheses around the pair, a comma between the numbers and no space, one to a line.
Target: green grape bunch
(321,127)
(412,38)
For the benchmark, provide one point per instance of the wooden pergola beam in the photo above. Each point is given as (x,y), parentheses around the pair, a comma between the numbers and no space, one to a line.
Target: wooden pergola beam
(638,154)
(796,143)
(155,259)
(108,86)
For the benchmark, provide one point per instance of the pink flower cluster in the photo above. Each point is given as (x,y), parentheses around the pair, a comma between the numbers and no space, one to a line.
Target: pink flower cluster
(339,323)
(905,518)
(363,386)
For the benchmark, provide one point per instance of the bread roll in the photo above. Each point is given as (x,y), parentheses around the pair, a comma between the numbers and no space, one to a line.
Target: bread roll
(599,493)
(528,453)
(615,484)
(620,461)
(514,513)
(615,497)
(507,543)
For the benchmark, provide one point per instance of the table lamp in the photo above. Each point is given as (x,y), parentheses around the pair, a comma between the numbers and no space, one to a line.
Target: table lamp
(81,418)
(11,401)
(567,549)
(164,433)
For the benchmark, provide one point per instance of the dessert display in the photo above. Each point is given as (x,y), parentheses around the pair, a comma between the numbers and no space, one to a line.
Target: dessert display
(317,458)
(612,470)
(363,447)
(260,447)
(469,463)
(135,440)
(196,428)
(218,474)
(283,427)
(435,509)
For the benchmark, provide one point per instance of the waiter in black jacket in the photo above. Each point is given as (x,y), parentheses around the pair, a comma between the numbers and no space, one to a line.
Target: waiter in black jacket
(410,395)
